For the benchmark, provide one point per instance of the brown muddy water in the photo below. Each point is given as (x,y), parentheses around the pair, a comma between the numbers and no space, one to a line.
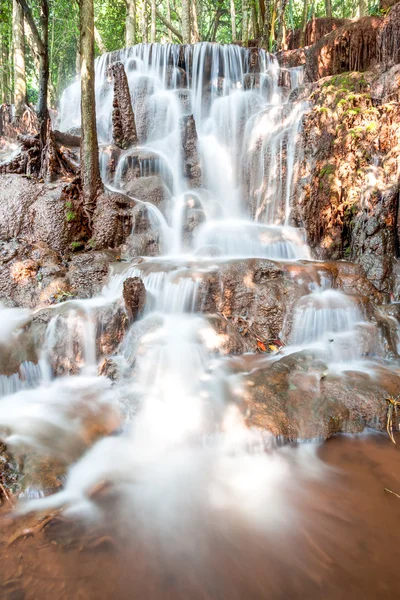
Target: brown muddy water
(342,541)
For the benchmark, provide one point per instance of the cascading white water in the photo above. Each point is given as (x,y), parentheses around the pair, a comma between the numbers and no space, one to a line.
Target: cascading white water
(247,140)
(174,384)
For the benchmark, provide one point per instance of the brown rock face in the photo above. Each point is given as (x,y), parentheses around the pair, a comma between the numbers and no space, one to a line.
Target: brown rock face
(315,30)
(33,211)
(123,118)
(294,398)
(352,47)
(112,220)
(148,189)
(389,38)
(191,161)
(349,203)
(134,294)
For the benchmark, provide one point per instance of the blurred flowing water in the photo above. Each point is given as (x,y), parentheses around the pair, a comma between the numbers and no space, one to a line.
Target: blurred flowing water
(177,453)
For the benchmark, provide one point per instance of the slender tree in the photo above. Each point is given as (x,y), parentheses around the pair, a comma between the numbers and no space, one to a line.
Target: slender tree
(19,59)
(130,23)
(245,22)
(143,21)
(90,169)
(169,20)
(362,8)
(186,37)
(195,23)
(41,41)
(153,29)
(304,23)
(328,8)
(233,20)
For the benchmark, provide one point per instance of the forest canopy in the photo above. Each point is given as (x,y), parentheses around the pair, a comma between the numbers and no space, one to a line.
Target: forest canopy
(120,23)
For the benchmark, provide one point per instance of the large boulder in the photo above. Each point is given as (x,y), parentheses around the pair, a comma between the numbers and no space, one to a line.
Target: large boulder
(191,159)
(112,220)
(296,398)
(147,189)
(134,295)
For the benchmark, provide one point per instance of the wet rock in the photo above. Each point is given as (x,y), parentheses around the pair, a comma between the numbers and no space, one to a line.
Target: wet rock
(17,195)
(388,41)
(111,326)
(112,220)
(315,30)
(258,296)
(134,294)
(145,239)
(123,118)
(191,160)
(348,205)
(230,338)
(143,116)
(385,87)
(258,81)
(148,189)
(87,272)
(36,212)
(296,398)
(176,77)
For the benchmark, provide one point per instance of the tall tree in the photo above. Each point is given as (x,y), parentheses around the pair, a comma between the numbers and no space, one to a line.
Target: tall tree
(130,23)
(304,23)
(362,8)
(328,8)
(233,20)
(19,59)
(90,169)
(195,23)
(245,22)
(41,40)
(169,19)
(143,21)
(153,29)
(186,21)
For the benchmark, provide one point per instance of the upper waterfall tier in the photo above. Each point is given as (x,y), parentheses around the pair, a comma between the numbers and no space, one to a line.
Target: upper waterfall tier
(217,134)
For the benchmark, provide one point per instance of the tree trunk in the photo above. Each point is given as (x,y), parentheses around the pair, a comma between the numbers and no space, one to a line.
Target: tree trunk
(5,82)
(195,23)
(143,22)
(265,9)
(186,21)
(41,41)
(130,23)
(169,20)
(362,8)
(304,23)
(328,8)
(43,71)
(153,22)
(281,24)
(233,20)
(167,23)
(99,42)
(245,22)
(254,20)
(90,170)
(19,59)
(78,58)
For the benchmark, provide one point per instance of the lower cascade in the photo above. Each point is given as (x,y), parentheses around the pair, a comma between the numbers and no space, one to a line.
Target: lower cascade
(217,342)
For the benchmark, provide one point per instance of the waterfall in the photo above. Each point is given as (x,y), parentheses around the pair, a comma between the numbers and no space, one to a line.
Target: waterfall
(226,196)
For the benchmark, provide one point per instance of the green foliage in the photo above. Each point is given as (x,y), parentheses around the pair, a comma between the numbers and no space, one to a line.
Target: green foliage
(371,127)
(76,245)
(327,170)
(62,295)
(352,111)
(70,216)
